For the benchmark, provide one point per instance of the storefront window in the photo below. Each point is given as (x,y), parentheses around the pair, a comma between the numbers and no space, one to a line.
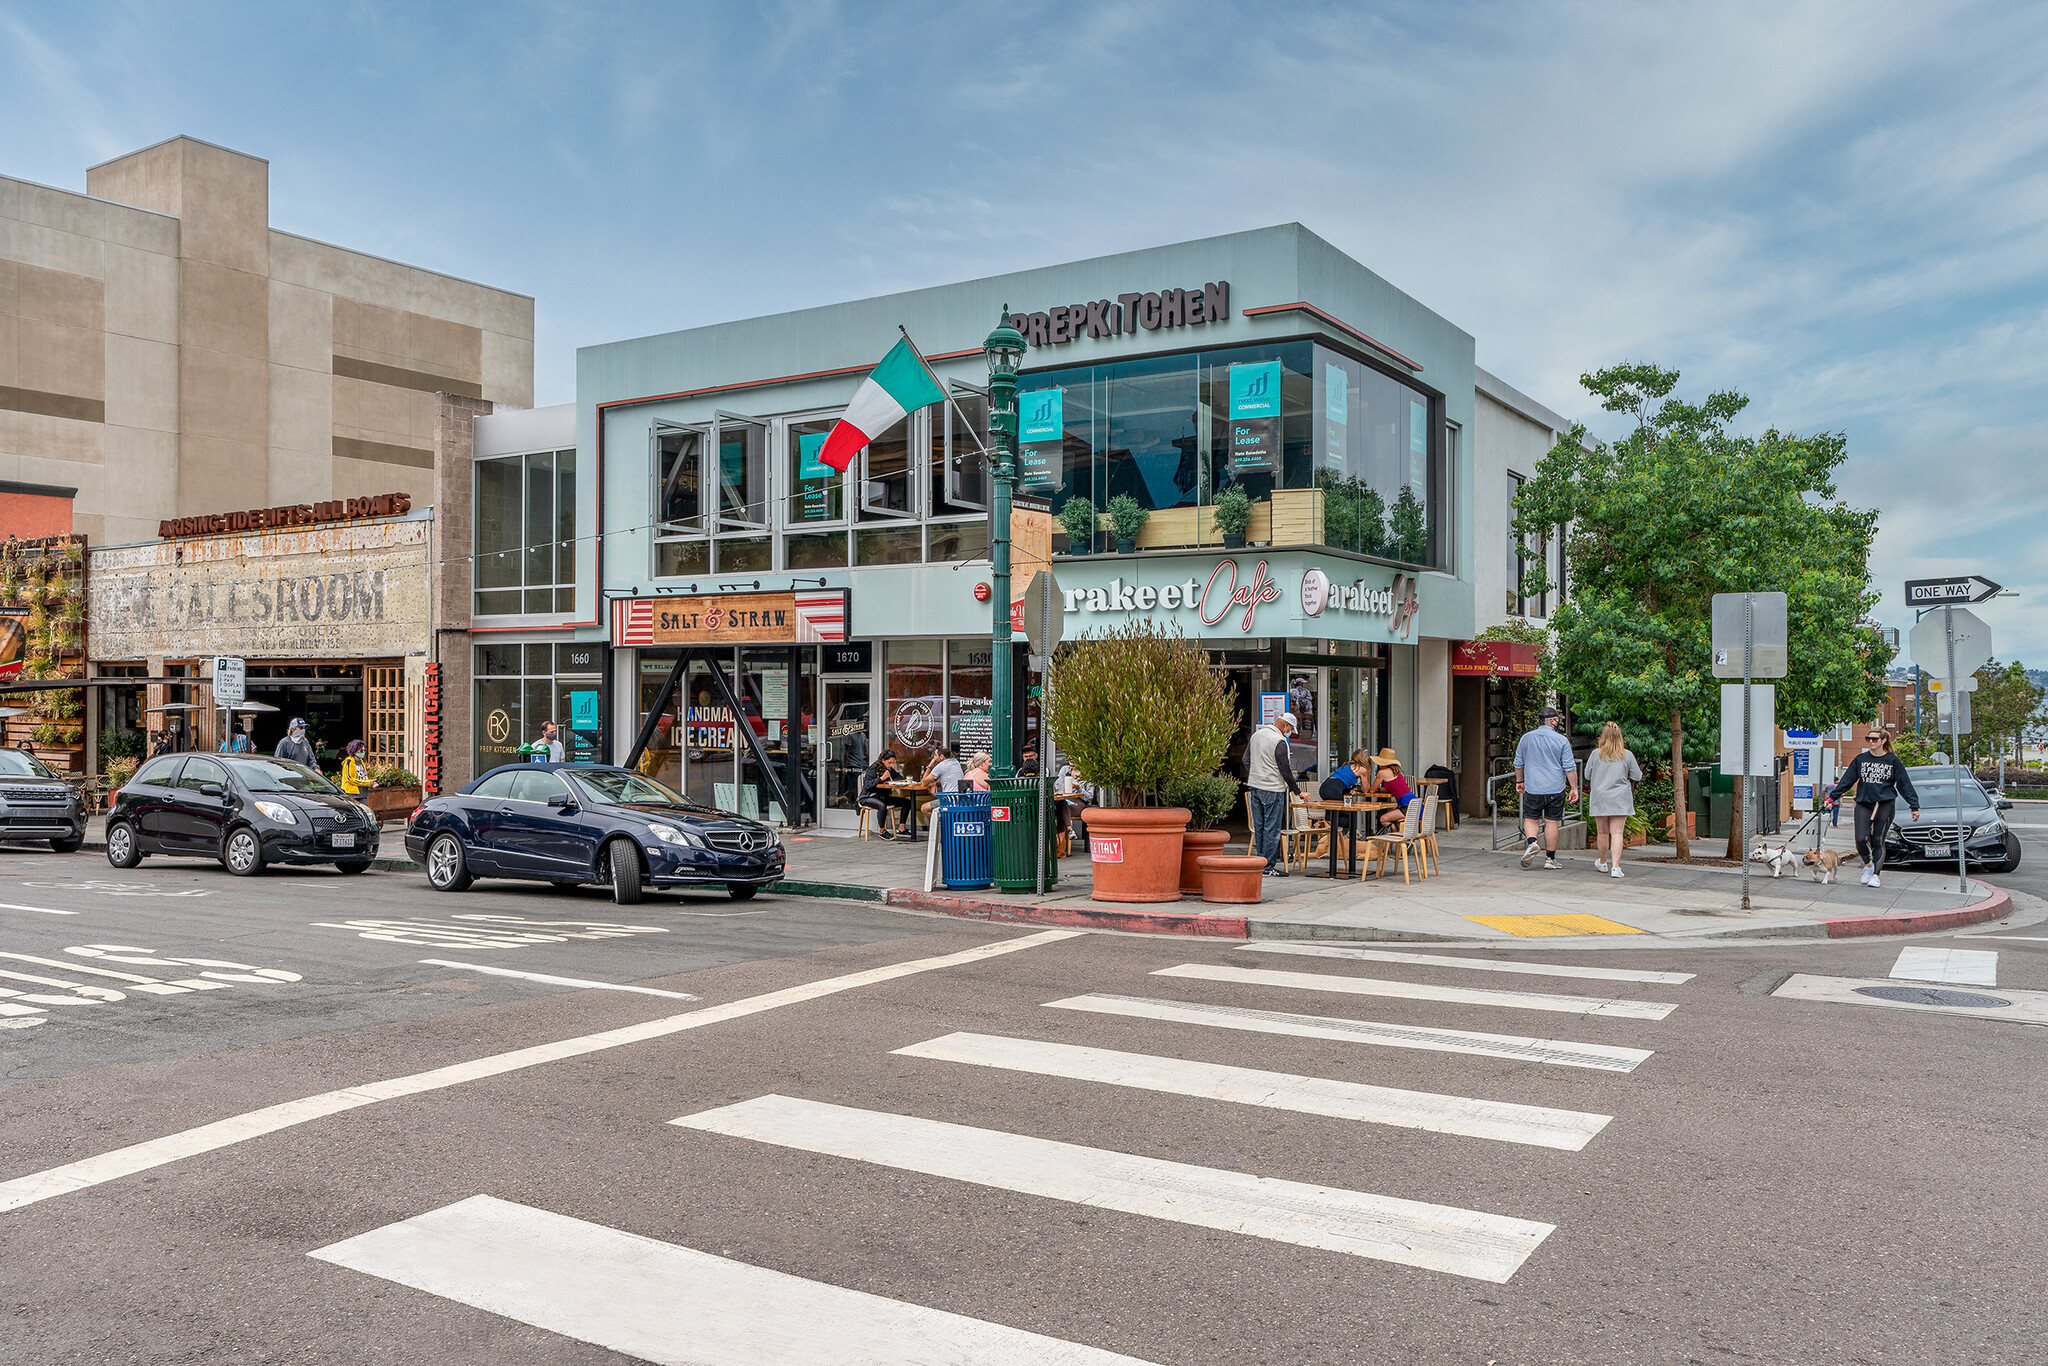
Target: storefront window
(970,685)
(916,717)
(525,534)
(519,689)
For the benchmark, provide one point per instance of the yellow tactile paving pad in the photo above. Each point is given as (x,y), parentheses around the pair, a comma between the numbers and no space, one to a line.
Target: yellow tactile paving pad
(1537,926)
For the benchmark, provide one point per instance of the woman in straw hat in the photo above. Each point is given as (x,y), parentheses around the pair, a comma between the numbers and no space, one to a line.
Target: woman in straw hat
(1393,785)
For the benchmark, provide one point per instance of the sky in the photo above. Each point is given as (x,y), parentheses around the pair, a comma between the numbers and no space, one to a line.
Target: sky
(1837,209)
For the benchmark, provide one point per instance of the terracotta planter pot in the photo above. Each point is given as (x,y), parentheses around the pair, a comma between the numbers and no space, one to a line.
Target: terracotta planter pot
(390,803)
(1232,879)
(1691,825)
(1192,845)
(1134,851)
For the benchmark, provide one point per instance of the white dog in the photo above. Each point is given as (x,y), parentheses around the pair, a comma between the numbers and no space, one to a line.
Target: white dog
(1779,858)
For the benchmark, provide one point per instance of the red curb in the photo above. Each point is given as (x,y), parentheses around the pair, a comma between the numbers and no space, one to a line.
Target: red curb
(1193,924)
(1860,926)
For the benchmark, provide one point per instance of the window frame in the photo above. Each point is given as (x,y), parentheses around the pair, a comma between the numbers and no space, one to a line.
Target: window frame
(559,545)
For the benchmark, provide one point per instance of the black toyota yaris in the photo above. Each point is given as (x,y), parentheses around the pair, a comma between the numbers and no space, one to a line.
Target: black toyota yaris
(247,810)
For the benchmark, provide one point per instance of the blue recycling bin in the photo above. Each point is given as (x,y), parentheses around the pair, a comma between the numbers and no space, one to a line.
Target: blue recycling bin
(960,823)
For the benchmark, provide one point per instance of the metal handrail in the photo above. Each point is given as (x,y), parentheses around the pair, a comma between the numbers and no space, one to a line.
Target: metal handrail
(1493,801)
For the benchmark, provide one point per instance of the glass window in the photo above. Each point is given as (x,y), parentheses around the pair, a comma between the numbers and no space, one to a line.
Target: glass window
(957,541)
(281,775)
(888,545)
(887,489)
(20,764)
(737,556)
(971,692)
(959,467)
(160,772)
(821,550)
(673,558)
(525,534)
(497,787)
(817,492)
(742,473)
(679,525)
(917,705)
(1380,462)
(517,693)
(536,787)
(199,772)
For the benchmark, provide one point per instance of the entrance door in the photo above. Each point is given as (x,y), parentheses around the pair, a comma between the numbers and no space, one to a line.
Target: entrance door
(847,751)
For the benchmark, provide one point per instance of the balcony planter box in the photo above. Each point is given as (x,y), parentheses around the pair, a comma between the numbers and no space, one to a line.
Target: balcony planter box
(391,803)
(1134,851)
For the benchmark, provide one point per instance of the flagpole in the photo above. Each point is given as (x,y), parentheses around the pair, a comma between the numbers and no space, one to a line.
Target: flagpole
(947,390)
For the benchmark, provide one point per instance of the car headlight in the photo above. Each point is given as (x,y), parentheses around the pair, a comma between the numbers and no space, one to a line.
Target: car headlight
(668,834)
(278,812)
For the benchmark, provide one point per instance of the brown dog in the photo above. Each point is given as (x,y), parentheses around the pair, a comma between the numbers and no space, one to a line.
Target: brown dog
(1824,862)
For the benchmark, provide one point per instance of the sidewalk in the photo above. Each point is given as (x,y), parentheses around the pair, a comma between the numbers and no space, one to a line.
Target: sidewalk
(1482,896)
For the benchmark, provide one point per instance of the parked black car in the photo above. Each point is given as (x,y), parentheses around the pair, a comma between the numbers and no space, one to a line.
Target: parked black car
(1990,844)
(247,810)
(37,805)
(576,823)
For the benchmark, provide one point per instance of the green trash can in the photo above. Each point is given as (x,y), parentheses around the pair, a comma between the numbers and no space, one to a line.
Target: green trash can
(1013,816)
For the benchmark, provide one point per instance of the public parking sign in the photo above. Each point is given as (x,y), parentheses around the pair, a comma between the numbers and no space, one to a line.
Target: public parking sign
(230,680)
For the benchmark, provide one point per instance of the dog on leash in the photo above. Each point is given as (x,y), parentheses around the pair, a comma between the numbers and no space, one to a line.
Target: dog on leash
(1825,863)
(1778,858)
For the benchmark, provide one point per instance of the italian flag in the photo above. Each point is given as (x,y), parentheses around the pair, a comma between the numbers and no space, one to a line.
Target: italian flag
(893,390)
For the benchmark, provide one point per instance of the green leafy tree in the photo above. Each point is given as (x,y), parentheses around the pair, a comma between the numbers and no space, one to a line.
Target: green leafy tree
(1408,527)
(2002,709)
(1137,706)
(1680,509)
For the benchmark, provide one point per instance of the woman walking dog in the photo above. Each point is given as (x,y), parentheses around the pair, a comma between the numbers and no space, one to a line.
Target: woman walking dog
(1879,778)
(1611,776)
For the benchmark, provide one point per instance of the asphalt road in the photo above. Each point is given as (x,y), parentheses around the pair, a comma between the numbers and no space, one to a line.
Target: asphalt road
(1775,1180)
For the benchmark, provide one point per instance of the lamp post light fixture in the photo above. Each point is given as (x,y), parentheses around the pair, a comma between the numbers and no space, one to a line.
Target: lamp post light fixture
(1004,349)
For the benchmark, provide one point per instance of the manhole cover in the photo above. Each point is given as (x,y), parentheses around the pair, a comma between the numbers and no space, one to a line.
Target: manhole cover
(1933,996)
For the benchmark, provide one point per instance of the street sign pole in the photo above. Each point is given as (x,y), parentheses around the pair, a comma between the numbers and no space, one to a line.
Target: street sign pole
(1748,645)
(1044,643)
(1955,731)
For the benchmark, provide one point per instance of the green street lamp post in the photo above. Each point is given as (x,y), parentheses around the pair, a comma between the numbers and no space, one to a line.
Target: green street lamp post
(1004,348)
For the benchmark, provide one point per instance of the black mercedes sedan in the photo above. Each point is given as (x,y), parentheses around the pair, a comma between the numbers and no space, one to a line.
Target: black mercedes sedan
(579,823)
(37,805)
(1990,845)
(247,810)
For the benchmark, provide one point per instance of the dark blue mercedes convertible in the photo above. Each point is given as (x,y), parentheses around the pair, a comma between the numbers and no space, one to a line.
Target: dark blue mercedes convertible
(571,824)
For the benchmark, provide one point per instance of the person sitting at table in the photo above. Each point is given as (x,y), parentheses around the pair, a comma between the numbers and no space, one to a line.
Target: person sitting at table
(946,775)
(1346,780)
(976,777)
(1393,785)
(875,795)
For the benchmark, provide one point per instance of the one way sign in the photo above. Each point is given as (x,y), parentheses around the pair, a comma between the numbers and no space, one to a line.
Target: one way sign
(1965,588)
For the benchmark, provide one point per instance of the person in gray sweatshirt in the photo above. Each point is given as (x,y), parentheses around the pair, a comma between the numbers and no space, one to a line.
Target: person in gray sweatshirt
(1879,776)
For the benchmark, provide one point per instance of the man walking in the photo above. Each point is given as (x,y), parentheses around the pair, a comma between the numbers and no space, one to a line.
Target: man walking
(295,747)
(1270,777)
(1544,773)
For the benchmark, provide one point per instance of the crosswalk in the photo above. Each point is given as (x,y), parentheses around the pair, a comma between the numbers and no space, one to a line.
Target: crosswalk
(585,1281)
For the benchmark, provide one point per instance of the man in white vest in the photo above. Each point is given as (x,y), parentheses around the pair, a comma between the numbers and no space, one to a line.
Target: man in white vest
(1270,777)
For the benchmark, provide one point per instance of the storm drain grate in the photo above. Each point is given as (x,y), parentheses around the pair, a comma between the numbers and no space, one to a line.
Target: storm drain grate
(1933,996)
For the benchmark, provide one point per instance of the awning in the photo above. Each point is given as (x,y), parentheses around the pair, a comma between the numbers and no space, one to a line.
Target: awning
(1494,659)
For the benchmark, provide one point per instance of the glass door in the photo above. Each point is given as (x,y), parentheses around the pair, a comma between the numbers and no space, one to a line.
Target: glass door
(709,742)
(847,751)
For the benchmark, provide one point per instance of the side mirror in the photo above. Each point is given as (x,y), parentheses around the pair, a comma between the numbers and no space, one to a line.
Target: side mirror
(563,801)
(212,790)
(2004,804)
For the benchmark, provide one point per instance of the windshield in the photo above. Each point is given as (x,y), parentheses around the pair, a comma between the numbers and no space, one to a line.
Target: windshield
(621,788)
(281,775)
(1939,795)
(15,763)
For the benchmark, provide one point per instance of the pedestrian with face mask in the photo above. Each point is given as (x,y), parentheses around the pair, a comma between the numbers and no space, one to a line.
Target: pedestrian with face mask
(1270,769)
(296,747)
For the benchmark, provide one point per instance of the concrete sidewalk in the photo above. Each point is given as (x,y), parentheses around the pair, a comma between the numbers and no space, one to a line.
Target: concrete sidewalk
(1481,896)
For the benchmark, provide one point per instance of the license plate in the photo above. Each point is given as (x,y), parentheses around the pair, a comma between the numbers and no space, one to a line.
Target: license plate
(1939,851)
(344,841)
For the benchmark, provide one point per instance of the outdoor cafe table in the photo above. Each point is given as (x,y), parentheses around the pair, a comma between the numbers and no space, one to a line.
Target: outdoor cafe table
(1351,851)
(907,787)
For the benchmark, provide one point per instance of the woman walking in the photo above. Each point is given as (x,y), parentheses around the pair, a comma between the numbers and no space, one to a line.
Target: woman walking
(1879,777)
(1611,776)
(352,778)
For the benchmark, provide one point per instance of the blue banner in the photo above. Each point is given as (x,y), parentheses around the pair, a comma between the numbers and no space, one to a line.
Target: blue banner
(1041,416)
(1255,389)
(583,710)
(808,466)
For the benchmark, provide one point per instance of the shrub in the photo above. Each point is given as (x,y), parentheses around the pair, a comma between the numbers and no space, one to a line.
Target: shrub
(119,768)
(1233,510)
(391,775)
(1408,528)
(1136,706)
(1077,515)
(1127,515)
(1210,798)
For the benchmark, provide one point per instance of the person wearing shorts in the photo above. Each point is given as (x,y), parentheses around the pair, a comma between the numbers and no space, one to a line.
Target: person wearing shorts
(1546,776)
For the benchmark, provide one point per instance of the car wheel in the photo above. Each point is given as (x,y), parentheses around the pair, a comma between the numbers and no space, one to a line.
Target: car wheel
(124,850)
(622,862)
(70,846)
(243,852)
(447,869)
(361,865)
(741,893)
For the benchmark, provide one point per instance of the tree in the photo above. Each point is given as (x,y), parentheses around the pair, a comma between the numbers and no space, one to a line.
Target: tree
(2002,709)
(1408,528)
(1137,706)
(1681,509)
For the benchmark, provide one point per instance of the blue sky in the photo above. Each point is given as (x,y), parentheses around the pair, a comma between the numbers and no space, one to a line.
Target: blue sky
(1840,209)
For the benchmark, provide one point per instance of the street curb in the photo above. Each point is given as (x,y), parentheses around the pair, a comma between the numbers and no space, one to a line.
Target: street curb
(1862,926)
(838,891)
(1303,930)
(1185,923)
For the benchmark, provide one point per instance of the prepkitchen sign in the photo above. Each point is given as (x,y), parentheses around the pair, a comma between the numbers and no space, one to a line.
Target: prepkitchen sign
(1230,595)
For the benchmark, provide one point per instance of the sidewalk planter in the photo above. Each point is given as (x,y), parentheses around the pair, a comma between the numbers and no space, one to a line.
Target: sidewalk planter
(1691,826)
(1134,851)
(391,803)
(1193,845)
(1232,879)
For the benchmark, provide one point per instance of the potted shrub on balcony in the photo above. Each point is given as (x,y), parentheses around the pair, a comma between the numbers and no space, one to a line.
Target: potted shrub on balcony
(1233,515)
(1209,800)
(1135,707)
(394,794)
(1077,516)
(1127,515)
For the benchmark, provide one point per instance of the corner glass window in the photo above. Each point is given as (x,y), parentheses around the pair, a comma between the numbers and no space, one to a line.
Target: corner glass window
(1380,459)
(525,534)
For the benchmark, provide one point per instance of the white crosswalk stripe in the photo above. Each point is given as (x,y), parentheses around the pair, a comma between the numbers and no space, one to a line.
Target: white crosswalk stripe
(1482,1246)
(1424,991)
(1973,967)
(1605,1057)
(664,1303)
(1570,1130)
(1437,960)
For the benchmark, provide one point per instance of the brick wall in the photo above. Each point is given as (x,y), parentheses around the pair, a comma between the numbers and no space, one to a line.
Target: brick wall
(454,541)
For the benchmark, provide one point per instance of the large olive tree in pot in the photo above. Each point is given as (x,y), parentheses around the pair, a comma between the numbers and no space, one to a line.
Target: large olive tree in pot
(1135,707)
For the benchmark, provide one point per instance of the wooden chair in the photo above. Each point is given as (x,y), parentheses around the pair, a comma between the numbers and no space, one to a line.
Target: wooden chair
(1304,839)
(865,812)
(1385,845)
